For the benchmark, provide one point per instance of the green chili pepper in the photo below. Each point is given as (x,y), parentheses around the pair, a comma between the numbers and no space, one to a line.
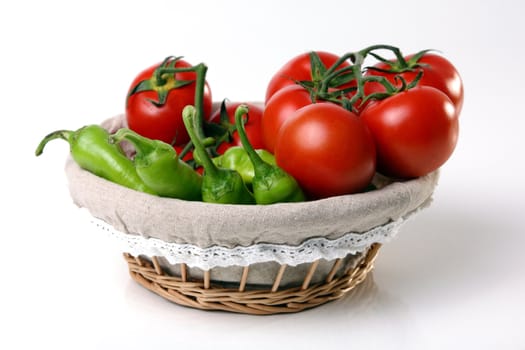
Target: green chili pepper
(237,159)
(159,166)
(270,184)
(219,185)
(92,150)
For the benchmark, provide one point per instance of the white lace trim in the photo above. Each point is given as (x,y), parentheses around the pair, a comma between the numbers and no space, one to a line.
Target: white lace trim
(216,256)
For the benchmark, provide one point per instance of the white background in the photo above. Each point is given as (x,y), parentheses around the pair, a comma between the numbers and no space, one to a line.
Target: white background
(452,279)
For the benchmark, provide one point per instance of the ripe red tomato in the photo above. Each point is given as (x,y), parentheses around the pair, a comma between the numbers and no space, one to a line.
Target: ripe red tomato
(298,69)
(327,149)
(279,108)
(252,126)
(415,131)
(164,122)
(438,72)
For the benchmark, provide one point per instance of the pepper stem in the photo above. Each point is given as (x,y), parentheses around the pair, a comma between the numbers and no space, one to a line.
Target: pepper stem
(141,144)
(59,134)
(241,111)
(189,116)
(200,71)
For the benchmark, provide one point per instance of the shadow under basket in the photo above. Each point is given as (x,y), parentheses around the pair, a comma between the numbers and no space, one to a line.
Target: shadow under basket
(204,293)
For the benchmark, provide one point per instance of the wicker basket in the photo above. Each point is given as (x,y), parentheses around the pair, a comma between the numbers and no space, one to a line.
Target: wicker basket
(207,294)
(331,243)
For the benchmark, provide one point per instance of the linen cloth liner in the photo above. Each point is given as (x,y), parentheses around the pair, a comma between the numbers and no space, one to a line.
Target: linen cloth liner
(206,224)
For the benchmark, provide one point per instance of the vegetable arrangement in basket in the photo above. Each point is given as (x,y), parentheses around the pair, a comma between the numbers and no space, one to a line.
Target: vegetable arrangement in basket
(329,124)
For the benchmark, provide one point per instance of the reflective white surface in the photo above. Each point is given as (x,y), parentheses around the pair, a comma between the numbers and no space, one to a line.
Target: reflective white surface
(452,279)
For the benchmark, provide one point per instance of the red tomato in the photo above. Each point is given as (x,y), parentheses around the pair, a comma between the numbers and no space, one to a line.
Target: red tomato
(164,122)
(297,69)
(278,109)
(327,149)
(438,72)
(252,126)
(415,131)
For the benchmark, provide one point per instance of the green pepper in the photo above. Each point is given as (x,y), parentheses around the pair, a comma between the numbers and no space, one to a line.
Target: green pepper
(159,166)
(237,159)
(219,185)
(92,150)
(270,184)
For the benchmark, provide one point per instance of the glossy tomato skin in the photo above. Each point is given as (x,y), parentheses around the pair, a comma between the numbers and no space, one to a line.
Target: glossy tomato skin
(415,131)
(298,68)
(278,109)
(252,125)
(164,122)
(327,149)
(438,72)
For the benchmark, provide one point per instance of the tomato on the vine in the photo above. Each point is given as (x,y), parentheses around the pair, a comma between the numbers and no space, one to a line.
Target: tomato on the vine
(327,149)
(252,125)
(438,72)
(415,131)
(157,97)
(299,68)
(279,108)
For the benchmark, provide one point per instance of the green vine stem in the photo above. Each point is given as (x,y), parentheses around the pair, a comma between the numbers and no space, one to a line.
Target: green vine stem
(396,51)
(398,65)
(168,66)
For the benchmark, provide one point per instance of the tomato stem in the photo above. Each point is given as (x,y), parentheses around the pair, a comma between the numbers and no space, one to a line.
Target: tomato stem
(395,50)
(341,60)
(160,72)
(358,60)
(159,79)
(168,67)
(389,89)
(325,82)
(320,88)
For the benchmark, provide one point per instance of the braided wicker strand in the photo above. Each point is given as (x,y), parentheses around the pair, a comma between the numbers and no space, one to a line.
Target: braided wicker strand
(207,295)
